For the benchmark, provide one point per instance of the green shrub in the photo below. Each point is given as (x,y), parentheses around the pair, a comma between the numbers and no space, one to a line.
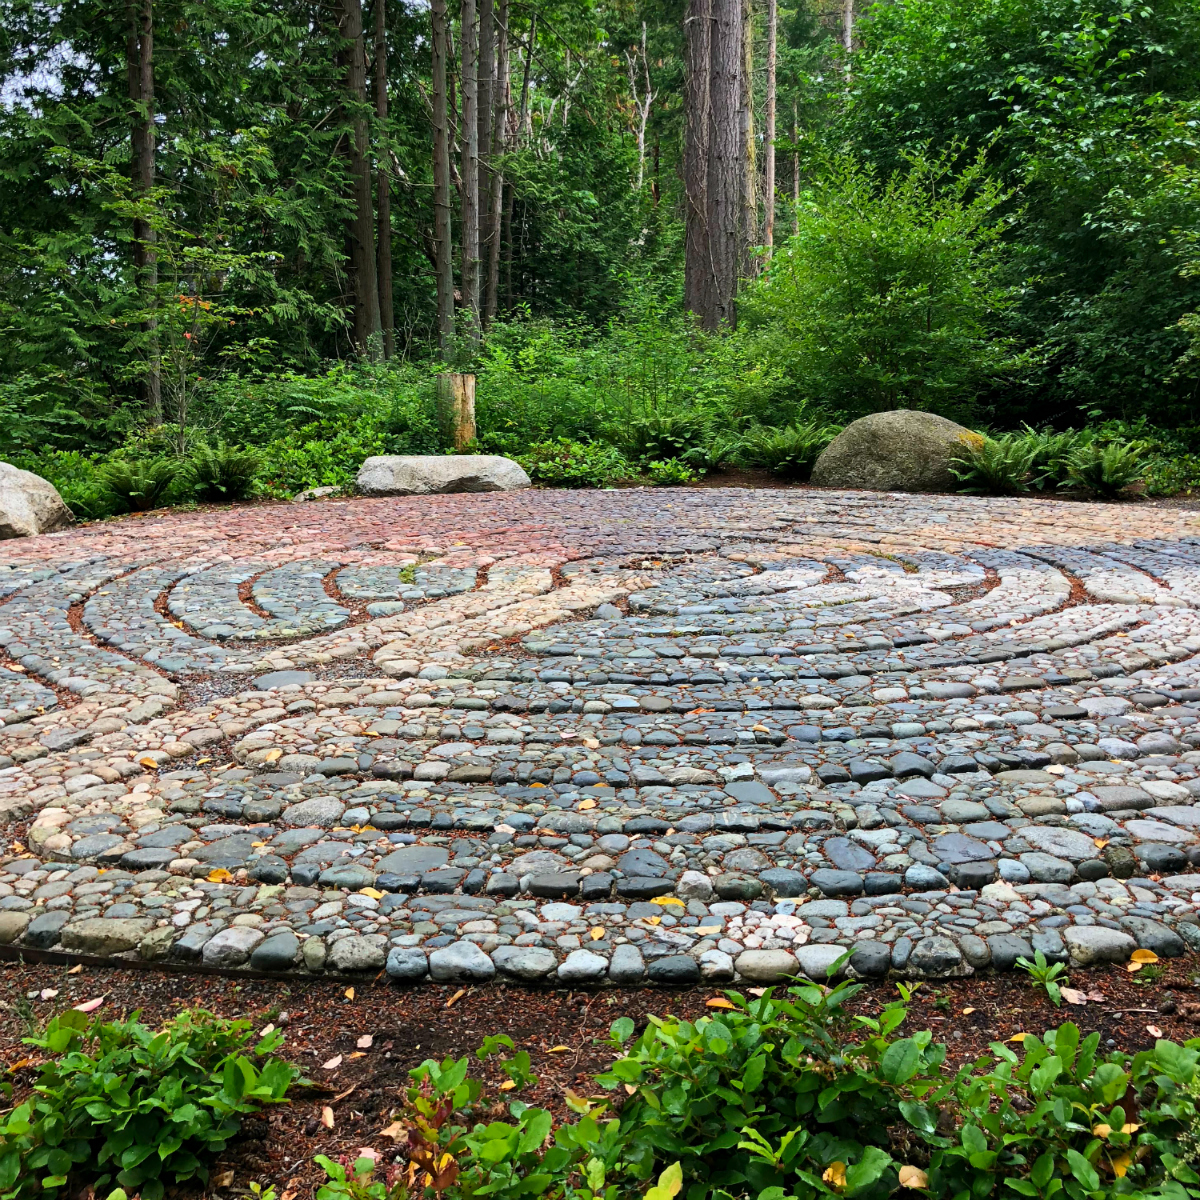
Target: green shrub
(575,464)
(1050,454)
(221,472)
(119,1103)
(994,465)
(719,450)
(1105,470)
(139,484)
(665,436)
(77,478)
(791,451)
(670,472)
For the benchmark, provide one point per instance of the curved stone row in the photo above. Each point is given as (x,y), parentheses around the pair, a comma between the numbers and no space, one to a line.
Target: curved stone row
(632,737)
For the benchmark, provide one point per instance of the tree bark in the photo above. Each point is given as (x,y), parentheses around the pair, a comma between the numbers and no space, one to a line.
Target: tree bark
(749,156)
(444,268)
(469,139)
(361,231)
(848,28)
(698,269)
(795,172)
(456,408)
(140,73)
(500,105)
(769,133)
(486,88)
(383,194)
(524,125)
(641,104)
(726,181)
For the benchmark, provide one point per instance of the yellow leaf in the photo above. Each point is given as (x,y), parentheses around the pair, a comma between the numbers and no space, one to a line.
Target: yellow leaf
(966,1012)
(537,785)
(653,920)
(913,1177)
(396,1131)
(273,755)
(1144,956)
(1101,1130)
(1017,1037)
(558,1049)
(201,761)
(705,930)
(357,1054)
(374,893)
(456,997)
(1134,967)
(1121,1165)
(508,1085)
(835,1175)
(1130,1127)
(218,875)
(327,1117)
(760,729)
(589,803)
(349,993)
(630,1090)
(258,843)
(719,1002)
(147,761)
(1100,843)
(598,931)
(667,900)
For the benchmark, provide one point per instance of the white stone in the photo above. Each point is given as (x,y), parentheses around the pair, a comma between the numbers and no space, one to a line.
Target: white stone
(435,474)
(29,504)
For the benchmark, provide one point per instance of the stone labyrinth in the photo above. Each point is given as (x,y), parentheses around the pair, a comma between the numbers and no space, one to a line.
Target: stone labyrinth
(622,737)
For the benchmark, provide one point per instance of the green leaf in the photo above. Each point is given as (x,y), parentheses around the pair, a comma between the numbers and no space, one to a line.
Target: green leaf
(900,1061)
(1082,1170)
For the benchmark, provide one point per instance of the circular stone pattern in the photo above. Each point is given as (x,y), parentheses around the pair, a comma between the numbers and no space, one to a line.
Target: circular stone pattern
(658,737)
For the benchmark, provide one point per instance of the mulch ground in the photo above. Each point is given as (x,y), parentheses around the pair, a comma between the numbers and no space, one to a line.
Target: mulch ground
(561,1030)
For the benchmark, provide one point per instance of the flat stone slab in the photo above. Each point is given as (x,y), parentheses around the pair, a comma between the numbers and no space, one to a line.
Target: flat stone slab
(437,474)
(585,740)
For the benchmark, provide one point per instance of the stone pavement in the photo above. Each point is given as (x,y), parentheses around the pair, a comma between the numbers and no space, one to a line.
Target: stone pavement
(653,736)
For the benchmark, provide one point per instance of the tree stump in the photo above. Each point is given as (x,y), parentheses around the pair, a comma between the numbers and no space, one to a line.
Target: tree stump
(456,409)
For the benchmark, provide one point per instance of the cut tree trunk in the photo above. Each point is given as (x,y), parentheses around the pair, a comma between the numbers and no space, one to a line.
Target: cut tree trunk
(383,192)
(443,249)
(456,408)
(361,230)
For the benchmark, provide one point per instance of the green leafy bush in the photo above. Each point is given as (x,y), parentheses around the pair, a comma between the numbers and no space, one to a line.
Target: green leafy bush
(139,484)
(994,465)
(575,464)
(222,472)
(719,450)
(670,473)
(1105,470)
(665,436)
(791,451)
(121,1103)
(77,477)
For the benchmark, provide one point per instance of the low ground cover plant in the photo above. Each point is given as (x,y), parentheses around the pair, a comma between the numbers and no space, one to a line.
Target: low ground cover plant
(120,1105)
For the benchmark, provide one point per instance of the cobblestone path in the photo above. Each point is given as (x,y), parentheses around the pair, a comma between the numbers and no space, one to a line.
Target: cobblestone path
(653,736)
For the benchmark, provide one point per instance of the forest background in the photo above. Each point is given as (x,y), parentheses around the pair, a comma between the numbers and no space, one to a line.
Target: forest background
(241,239)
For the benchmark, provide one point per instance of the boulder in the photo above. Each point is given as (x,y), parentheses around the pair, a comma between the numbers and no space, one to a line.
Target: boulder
(899,451)
(434,474)
(29,504)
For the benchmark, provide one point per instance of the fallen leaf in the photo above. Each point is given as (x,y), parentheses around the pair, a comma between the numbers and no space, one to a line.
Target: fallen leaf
(835,1175)
(225,1179)
(667,900)
(201,761)
(1154,1031)
(358,1054)
(273,755)
(349,993)
(147,761)
(705,930)
(373,893)
(21,1062)
(760,729)
(266,1030)
(1120,1165)
(396,1131)
(456,997)
(630,1089)
(49,993)
(589,803)
(365,1042)
(558,1049)
(327,1117)
(965,1012)
(719,1002)
(653,920)
(75,970)
(333,1063)
(913,1177)
(1073,995)
(1017,1037)
(508,1085)
(756,991)
(598,931)
(1100,843)
(89,1005)
(1097,997)
(368,1152)
(1144,956)
(218,875)
(352,1088)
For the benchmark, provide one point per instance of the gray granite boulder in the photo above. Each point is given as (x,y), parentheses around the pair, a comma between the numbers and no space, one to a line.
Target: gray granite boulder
(29,504)
(436,474)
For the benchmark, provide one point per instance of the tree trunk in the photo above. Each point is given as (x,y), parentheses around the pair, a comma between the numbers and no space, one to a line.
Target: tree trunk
(748,150)
(726,183)
(500,106)
(769,169)
(469,139)
(383,194)
(698,267)
(456,408)
(444,269)
(140,71)
(641,104)
(795,172)
(848,28)
(524,125)
(361,231)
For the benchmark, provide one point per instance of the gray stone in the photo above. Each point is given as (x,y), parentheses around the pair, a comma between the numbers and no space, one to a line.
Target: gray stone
(460,962)
(357,953)
(1090,944)
(1006,948)
(974,949)
(816,961)
(847,855)
(350,876)
(105,935)
(29,504)
(231,947)
(12,925)
(323,811)
(582,966)
(784,881)
(278,679)
(898,451)
(1050,943)
(1045,868)
(1154,935)
(408,963)
(766,966)
(414,860)
(1062,843)
(436,474)
(44,929)
(837,883)
(871,960)
(627,965)
(922,878)
(277,953)
(694,885)
(524,962)
(936,955)
(676,970)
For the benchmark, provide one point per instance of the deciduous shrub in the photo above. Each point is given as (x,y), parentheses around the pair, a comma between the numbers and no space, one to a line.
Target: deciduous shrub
(575,464)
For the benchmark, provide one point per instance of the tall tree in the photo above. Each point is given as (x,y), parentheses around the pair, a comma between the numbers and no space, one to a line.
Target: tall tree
(749,214)
(642,101)
(848,28)
(140,73)
(469,142)
(361,232)
(725,162)
(443,249)
(486,89)
(698,271)
(769,132)
(501,103)
(383,193)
